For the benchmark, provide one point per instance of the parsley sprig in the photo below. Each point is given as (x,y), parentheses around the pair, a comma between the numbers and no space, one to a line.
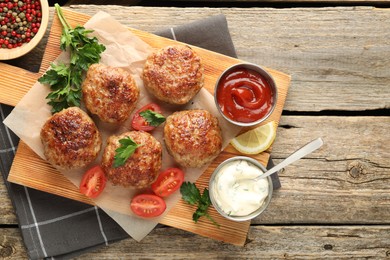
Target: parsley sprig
(125,150)
(191,194)
(153,118)
(65,79)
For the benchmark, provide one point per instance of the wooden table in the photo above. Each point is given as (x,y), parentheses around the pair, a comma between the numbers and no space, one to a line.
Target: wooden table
(334,203)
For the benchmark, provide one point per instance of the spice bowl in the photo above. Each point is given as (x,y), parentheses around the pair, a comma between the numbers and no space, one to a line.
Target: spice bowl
(234,194)
(245,94)
(17,26)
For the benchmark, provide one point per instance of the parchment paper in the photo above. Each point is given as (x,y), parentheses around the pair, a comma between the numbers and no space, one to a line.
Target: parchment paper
(125,50)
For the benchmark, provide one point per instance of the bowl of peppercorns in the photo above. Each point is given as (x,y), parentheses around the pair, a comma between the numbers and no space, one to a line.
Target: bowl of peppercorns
(23,24)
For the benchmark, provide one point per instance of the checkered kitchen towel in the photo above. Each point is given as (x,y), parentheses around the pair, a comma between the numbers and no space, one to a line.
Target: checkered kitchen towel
(54,227)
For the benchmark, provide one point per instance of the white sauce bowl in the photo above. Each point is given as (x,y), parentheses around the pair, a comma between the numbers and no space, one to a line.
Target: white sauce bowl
(234,195)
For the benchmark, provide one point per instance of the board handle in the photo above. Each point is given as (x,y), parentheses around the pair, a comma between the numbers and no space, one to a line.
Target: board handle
(15,83)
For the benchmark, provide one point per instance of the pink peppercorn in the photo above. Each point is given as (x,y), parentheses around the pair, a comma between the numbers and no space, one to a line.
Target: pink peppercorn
(19,22)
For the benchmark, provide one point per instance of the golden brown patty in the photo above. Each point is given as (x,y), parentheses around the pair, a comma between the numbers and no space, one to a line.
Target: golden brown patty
(110,93)
(70,139)
(192,137)
(173,74)
(142,168)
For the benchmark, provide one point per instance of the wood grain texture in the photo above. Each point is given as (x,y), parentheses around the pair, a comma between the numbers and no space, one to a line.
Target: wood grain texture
(7,211)
(276,242)
(340,193)
(15,87)
(271,242)
(330,50)
(345,181)
(31,171)
(341,50)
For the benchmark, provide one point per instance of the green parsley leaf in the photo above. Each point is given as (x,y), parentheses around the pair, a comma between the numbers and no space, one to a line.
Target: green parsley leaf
(56,76)
(191,194)
(197,214)
(153,118)
(127,148)
(62,94)
(205,198)
(65,79)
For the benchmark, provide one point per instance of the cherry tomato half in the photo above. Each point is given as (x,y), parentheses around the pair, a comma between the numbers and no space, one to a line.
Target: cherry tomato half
(93,182)
(139,123)
(168,182)
(148,205)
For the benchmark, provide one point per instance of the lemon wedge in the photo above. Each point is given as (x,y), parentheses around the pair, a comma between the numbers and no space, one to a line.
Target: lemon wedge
(255,140)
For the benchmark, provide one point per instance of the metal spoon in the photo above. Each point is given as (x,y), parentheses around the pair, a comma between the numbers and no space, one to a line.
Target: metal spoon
(298,154)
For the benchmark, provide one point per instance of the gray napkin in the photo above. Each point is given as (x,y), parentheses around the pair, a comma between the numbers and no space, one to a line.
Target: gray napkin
(211,33)
(58,228)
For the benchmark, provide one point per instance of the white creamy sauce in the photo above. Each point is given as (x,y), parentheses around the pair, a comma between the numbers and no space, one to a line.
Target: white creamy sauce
(235,193)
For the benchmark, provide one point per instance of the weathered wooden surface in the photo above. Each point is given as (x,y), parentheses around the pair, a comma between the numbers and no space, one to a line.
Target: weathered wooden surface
(343,50)
(264,242)
(334,203)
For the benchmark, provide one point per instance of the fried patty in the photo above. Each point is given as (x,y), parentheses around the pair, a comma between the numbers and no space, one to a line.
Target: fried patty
(141,168)
(173,74)
(70,139)
(193,137)
(110,93)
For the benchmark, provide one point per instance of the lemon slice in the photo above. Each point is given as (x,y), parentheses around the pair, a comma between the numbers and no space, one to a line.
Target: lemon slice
(256,140)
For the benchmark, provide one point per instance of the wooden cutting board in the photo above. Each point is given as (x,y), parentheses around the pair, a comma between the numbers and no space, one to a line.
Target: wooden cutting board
(30,170)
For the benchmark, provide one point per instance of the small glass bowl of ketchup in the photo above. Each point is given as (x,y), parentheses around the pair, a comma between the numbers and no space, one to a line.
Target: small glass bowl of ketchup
(245,94)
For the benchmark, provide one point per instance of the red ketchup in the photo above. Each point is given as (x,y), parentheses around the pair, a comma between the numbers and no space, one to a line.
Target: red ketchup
(244,95)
